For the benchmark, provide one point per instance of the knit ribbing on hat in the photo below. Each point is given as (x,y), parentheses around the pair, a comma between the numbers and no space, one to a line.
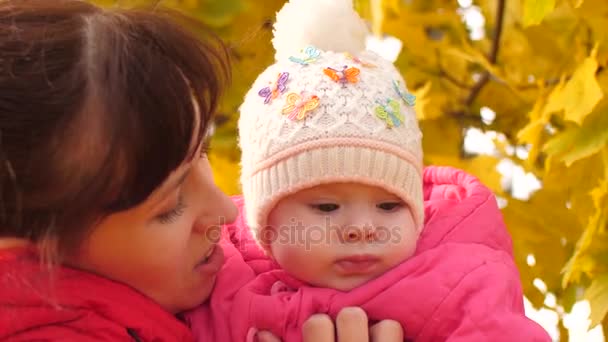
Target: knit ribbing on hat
(333,164)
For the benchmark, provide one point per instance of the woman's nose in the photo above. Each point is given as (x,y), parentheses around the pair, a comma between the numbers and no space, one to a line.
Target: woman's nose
(230,210)
(216,208)
(217,211)
(223,207)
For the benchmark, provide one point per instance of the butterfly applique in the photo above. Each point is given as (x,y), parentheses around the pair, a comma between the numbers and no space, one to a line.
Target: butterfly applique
(410,99)
(390,112)
(272,91)
(298,105)
(358,60)
(311,54)
(346,75)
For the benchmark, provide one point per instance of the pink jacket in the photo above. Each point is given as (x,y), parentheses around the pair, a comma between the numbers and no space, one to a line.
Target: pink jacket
(461,285)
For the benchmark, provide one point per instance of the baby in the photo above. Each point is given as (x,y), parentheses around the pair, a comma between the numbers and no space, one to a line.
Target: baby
(334,202)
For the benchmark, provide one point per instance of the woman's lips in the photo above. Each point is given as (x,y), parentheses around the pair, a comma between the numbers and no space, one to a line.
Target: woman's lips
(211,250)
(212,261)
(357,264)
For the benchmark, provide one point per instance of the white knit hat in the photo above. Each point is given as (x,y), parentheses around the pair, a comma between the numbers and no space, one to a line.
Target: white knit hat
(327,111)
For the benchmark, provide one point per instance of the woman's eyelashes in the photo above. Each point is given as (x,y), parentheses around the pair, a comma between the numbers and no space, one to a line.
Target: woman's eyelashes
(173,214)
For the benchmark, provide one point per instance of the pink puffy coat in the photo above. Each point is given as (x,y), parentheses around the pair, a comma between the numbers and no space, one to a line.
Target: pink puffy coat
(461,285)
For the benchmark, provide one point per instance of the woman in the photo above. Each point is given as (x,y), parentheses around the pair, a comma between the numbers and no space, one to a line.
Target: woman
(109,216)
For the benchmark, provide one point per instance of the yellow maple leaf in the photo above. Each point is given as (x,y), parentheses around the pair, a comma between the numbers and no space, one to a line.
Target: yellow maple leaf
(531,133)
(469,53)
(393,5)
(536,10)
(577,3)
(597,295)
(582,261)
(541,234)
(424,105)
(579,96)
(555,99)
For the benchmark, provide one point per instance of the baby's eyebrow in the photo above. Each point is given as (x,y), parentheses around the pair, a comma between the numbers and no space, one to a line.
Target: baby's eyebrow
(319,195)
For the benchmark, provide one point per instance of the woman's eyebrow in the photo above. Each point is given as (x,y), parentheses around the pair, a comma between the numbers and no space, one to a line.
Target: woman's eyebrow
(181,179)
(169,187)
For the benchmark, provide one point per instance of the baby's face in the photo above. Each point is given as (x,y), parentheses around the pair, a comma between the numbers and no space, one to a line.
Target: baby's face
(340,235)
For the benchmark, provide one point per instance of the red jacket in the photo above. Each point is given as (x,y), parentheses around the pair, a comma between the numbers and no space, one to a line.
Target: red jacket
(79,307)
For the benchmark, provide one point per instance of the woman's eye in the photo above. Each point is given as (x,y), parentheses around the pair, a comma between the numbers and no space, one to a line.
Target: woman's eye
(389,206)
(172,215)
(326,207)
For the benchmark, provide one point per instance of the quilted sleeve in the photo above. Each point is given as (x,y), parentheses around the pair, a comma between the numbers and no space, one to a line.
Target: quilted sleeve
(487,305)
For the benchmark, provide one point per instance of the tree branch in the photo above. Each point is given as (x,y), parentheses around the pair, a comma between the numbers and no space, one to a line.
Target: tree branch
(493,56)
(443,73)
(447,75)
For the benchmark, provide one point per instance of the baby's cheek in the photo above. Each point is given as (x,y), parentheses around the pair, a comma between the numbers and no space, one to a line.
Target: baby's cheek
(306,262)
(403,245)
(287,253)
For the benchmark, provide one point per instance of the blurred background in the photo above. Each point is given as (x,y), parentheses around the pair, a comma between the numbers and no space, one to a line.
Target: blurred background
(513,92)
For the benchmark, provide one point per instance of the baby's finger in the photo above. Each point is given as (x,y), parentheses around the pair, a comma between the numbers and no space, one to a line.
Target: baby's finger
(267,336)
(352,325)
(386,331)
(318,328)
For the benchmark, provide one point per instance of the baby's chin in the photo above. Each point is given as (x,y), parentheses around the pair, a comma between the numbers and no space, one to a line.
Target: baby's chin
(345,284)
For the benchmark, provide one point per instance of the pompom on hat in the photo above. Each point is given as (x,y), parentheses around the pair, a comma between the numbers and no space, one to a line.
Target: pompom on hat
(327,111)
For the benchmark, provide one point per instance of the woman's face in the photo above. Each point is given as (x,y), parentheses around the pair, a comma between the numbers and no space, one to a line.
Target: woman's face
(166,246)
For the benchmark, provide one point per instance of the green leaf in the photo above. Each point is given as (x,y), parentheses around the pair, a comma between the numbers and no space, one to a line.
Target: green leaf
(597,295)
(576,143)
(536,10)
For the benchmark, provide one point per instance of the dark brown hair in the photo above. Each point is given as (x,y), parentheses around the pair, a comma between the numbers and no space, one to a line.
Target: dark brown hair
(97,107)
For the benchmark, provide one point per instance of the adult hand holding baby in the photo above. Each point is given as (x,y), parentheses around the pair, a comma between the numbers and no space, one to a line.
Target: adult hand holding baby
(351,326)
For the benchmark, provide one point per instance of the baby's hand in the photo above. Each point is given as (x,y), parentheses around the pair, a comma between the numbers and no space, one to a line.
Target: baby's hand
(351,326)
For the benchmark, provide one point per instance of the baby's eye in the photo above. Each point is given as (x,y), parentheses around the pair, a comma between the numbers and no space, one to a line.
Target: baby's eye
(326,207)
(390,206)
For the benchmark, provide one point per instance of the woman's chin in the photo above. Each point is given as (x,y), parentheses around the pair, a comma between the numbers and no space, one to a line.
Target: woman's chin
(199,297)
